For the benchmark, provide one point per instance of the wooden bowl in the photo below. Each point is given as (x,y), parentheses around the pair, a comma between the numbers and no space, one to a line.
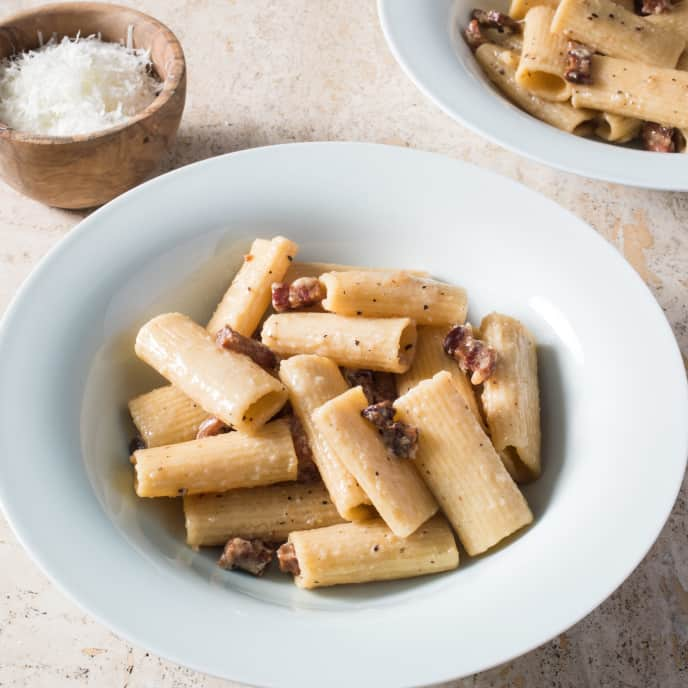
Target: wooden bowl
(91,169)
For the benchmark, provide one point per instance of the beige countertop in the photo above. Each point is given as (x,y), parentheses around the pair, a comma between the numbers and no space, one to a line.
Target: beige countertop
(307,70)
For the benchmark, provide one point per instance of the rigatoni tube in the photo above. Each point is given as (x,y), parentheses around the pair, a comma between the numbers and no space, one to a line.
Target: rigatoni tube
(511,398)
(166,416)
(617,128)
(226,384)
(543,57)
(519,8)
(218,463)
(500,67)
(269,513)
(384,294)
(374,343)
(429,360)
(626,4)
(393,485)
(249,294)
(676,19)
(461,467)
(298,269)
(635,90)
(370,551)
(312,381)
(608,28)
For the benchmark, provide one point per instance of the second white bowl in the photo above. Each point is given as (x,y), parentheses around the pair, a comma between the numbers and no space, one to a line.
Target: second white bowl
(425,39)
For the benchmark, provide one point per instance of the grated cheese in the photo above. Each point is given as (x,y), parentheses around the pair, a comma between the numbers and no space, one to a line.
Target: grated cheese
(75,86)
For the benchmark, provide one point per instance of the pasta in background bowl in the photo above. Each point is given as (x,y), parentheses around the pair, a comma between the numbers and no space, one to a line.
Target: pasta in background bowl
(612,457)
(427,39)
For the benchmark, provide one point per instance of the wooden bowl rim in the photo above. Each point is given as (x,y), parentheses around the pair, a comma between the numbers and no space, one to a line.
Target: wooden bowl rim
(170,84)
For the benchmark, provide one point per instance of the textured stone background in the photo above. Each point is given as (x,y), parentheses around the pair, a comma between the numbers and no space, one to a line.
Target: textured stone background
(305,70)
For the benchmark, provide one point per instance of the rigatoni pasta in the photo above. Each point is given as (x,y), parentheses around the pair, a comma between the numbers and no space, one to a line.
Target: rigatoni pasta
(511,398)
(268,513)
(617,128)
(166,416)
(429,360)
(385,294)
(543,60)
(348,479)
(315,269)
(385,344)
(311,382)
(226,384)
(248,297)
(613,72)
(394,486)
(613,30)
(370,551)
(635,90)
(461,467)
(676,19)
(519,8)
(500,67)
(510,41)
(219,463)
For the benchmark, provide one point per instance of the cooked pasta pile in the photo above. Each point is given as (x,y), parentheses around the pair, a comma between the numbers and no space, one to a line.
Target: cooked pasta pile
(592,67)
(364,428)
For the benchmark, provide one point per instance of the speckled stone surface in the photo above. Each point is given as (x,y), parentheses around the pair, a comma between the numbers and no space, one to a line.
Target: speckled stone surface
(307,70)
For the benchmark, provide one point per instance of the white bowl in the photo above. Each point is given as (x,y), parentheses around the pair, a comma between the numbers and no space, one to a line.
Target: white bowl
(425,37)
(615,412)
